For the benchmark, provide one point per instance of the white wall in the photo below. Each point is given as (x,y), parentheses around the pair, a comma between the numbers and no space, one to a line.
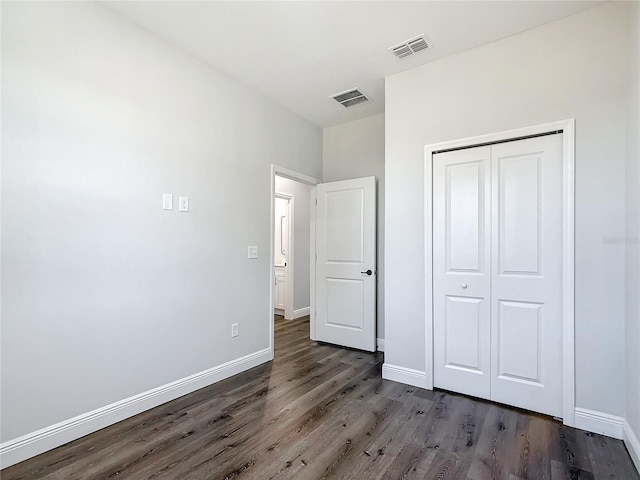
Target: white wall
(633,242)
(104,294)
(302,230)
(353,150)
(574,68)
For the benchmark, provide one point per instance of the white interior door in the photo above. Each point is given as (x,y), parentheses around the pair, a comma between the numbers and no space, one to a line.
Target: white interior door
(282,304)
(526,317)
(497,272)
(462,271)
(346,263)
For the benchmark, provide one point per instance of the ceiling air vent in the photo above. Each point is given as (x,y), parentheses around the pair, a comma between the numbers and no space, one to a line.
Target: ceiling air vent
(409,47)
(351,98)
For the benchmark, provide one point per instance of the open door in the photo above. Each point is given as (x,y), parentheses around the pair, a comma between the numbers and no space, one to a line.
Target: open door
(346,263)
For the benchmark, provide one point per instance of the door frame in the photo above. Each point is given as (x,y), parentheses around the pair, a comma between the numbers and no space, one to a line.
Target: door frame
(567,127)
(288,303)
(307,180)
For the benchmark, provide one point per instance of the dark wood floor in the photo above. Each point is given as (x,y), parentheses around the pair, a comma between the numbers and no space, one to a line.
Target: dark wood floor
(319,412)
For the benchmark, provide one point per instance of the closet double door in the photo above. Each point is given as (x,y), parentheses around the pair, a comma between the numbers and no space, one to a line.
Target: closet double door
(497,272)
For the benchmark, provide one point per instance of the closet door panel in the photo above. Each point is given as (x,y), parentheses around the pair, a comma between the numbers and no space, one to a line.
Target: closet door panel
(461,242)
(526,312)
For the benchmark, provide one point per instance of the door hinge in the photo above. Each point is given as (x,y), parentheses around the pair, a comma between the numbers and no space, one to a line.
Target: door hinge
(316,258)
(316,202)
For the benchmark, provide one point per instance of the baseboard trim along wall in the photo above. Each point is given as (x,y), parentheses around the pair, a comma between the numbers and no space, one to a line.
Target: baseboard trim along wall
(599,422)
(301,312)
(409,376)
(632,443)
(35,443)
(380,344)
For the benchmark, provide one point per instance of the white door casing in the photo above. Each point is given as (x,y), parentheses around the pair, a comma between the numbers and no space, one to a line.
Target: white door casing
(345,278)
(521,275)
(462,270)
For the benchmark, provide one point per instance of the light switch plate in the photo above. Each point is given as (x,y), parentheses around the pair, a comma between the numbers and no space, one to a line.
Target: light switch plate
(184,204)
(167,201)
(252,252)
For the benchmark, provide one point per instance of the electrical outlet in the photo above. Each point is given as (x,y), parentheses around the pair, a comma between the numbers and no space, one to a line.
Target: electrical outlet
(234,330)
(184,204)
(252,252)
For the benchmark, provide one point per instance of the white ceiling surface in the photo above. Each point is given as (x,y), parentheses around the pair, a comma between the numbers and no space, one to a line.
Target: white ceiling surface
(300,53)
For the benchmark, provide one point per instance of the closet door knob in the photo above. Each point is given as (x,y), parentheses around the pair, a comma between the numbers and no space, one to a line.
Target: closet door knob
(464,285)
(368,272)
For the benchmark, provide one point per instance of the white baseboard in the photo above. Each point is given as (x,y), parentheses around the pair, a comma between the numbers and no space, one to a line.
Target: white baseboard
(599,422)
(632,443)
(380,344)
(35,443)
(409,376)
(300,312)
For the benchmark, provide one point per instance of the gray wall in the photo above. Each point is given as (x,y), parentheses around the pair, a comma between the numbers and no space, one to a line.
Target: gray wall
(302,238)
(574,68)
(633,236)
(352,150)
(104,294)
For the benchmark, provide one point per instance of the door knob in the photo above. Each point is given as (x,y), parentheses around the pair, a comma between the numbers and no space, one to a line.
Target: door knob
(464,285)
(368,272)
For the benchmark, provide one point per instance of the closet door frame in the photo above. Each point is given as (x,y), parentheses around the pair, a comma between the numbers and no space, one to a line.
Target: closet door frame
(567,127)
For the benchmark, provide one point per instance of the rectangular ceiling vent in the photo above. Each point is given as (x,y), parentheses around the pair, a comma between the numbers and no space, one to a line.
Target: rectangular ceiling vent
(409,47)
(351,98)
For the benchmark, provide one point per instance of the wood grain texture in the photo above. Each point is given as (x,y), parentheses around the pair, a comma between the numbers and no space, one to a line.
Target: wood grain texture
(322,412)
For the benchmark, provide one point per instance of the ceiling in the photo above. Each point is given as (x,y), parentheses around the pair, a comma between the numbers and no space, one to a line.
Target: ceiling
(300,53)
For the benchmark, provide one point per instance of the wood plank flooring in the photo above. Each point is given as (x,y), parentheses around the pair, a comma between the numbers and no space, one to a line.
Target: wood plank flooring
(321,412)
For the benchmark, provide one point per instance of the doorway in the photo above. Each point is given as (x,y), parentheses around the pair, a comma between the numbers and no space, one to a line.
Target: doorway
(341,256)
(283,253)
(476,286)
(291,245)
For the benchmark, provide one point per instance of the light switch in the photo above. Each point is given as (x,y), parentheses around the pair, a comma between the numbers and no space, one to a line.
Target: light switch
(252,252)
(184,204)
(167,201)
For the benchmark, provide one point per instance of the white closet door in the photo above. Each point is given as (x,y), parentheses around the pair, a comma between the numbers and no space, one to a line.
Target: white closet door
(526,318)
(461,269)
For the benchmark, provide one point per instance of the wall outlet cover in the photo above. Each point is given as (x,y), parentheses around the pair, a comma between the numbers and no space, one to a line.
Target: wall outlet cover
(184,204)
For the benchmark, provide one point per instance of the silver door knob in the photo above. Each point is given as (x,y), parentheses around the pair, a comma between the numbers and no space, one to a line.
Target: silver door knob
(464,285)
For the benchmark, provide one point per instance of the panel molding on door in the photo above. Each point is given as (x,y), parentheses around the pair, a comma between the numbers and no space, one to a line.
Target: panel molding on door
(462,283)
(346,263)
